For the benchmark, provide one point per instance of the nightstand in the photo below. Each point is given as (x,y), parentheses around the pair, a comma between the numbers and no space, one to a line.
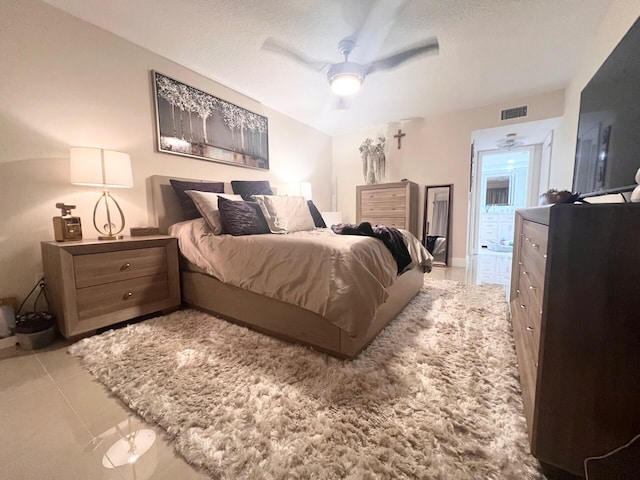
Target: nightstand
(92,284)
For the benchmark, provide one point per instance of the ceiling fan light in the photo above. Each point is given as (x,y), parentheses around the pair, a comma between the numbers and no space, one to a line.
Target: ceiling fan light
(511,142)
(346,84)
(346,78)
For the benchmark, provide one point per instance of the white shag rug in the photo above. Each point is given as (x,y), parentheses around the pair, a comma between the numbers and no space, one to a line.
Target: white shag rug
(435,396)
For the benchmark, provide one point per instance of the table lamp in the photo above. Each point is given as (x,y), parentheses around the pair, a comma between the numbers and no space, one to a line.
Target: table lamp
(97,167)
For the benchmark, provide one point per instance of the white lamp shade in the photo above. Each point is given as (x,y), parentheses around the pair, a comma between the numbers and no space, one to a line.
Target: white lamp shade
(100,168)
(305,190)
(297,189)
(346,84)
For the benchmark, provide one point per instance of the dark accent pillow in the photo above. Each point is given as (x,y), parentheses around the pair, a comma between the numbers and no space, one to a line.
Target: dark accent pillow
(242,218)
(315,213)
(246,188)
(188,207)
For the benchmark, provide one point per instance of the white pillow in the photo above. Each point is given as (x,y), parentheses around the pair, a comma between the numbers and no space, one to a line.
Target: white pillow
(207,205)
(285,214)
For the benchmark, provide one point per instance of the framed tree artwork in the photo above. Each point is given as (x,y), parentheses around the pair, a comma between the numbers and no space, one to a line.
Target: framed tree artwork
(196,124)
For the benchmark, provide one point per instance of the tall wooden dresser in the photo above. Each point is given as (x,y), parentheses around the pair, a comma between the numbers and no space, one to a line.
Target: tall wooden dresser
(576,324)
(389,204)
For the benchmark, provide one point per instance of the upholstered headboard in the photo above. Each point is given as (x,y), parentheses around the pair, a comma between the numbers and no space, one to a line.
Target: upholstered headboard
(164,207)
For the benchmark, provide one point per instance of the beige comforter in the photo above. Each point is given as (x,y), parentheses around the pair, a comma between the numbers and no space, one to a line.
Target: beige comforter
(341,277)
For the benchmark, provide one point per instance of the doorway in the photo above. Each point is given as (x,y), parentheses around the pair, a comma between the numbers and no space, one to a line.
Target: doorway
(504,182)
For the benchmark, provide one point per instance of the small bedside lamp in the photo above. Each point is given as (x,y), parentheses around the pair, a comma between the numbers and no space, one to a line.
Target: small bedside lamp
(96,167)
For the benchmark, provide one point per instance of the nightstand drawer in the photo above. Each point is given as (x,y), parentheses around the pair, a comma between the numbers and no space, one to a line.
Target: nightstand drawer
(115,296)
(107,267)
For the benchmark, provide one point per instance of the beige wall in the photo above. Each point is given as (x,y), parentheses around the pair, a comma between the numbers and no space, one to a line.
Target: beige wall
(67,83)
(621,15)
(435,151)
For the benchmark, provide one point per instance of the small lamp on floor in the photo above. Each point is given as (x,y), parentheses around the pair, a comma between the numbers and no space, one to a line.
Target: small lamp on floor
(97,167)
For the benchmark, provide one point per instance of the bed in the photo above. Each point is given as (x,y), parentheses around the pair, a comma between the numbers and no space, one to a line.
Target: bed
(271,315)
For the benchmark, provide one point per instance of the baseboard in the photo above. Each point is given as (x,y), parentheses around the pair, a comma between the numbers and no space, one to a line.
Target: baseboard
(8,342)
(459,262)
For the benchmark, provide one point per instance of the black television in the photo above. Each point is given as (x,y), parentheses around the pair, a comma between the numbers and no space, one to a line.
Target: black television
(608,145)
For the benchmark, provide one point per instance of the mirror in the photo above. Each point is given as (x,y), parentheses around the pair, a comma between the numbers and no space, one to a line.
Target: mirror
(436,227)
(499,191)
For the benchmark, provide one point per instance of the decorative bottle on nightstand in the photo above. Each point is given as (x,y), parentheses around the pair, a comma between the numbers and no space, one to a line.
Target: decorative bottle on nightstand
(66,227)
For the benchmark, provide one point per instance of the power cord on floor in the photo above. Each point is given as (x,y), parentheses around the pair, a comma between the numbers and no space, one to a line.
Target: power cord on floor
(40,283)
(586,473)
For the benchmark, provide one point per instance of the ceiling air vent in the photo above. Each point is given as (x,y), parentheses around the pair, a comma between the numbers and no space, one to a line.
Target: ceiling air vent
(515,112)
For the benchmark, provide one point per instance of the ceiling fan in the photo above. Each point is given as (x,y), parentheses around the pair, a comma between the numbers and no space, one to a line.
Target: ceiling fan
(346,78)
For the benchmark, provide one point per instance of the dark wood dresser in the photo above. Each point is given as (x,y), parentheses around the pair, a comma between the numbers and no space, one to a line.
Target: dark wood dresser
(389,204)
(575,307)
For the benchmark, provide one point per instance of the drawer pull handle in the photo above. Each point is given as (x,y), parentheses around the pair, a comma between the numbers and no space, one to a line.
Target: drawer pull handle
(518,291)
(522,306)
(528,239)
(529,329)
(545,255)
(520,263)
(531,287)
(127,296)
(524,272)
(125,266)
(535,245)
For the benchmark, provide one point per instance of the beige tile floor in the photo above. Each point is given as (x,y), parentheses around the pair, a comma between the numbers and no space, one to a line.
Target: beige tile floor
(57,422)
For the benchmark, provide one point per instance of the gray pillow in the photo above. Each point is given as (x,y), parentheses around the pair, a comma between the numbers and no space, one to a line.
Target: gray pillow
(285,214)
(207,204)
(188,207)
(247,188)
(242,218)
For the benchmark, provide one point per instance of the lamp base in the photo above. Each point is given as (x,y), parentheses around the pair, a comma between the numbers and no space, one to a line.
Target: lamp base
(110,237)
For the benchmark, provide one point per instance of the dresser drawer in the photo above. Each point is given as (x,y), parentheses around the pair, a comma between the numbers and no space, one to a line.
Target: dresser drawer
(112,297)
(526,366)
(535,238)
(383,195)
(396,222)
(533,269)
(100,268)
(529,313)
(383,210)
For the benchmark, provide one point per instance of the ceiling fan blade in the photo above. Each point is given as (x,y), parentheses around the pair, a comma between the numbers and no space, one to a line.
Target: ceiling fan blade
(275,46)
(427,46)
(375,27)
(341,103)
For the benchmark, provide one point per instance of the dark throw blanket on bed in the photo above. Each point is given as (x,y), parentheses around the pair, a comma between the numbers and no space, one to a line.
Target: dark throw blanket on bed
(391,237)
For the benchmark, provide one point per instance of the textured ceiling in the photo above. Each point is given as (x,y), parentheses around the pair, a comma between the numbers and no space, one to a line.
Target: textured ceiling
(491,51)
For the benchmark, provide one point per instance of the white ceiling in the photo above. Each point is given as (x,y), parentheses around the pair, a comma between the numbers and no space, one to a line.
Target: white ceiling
(491,51)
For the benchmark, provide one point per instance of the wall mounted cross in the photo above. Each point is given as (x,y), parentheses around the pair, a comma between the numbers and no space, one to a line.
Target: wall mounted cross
(399,136)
